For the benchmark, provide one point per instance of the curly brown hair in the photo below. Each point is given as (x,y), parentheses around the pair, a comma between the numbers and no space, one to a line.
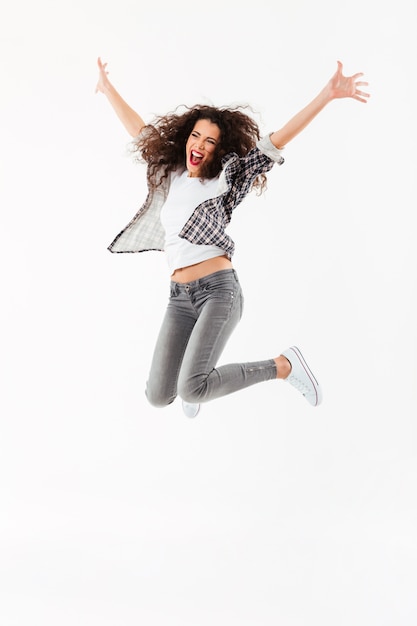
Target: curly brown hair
(162,144)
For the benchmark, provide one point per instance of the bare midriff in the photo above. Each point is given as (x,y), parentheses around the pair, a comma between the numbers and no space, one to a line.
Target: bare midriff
(199,270)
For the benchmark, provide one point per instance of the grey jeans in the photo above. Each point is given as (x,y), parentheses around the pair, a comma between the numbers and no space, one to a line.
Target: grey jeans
(200,317)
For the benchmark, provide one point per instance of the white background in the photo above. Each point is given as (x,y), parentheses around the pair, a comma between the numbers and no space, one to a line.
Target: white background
(262,511)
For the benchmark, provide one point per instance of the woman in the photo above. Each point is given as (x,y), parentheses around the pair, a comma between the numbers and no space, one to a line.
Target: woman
(201,165)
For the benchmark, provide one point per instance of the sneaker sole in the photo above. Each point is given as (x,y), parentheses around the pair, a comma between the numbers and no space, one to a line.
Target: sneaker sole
(195,412)
(314,381)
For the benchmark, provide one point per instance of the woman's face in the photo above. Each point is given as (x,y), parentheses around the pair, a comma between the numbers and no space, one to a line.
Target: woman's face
(201,145)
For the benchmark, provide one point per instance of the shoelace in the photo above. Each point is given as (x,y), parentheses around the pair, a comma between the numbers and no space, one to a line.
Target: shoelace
(299,385)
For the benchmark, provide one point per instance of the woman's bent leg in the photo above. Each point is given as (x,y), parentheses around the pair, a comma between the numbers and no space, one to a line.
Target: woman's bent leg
(218,301)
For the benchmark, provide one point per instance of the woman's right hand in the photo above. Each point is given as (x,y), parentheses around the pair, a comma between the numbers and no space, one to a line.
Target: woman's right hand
(131,120)
(103,82)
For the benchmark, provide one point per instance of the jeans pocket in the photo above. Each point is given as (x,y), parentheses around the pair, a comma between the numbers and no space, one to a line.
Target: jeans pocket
(222,283)
(227,295)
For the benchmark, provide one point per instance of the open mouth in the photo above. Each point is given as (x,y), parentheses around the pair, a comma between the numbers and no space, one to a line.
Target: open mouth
(195,158)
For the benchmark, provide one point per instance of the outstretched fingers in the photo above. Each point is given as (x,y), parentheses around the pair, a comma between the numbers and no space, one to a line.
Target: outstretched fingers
(361,95)
(348,86)
(103,73)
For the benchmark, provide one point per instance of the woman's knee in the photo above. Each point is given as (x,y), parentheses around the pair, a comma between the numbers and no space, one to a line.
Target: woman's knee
(192,389)
(157,398)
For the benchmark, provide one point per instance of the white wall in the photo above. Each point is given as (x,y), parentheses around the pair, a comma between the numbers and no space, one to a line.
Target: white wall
(263,510)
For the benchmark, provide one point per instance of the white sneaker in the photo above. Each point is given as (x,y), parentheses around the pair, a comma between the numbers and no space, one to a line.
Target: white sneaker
(190,410)
(301,377)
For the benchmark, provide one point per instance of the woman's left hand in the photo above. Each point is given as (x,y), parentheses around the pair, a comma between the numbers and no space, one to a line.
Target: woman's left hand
(347,86)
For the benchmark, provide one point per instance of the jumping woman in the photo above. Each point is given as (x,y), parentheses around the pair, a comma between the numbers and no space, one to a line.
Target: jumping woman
(201,164)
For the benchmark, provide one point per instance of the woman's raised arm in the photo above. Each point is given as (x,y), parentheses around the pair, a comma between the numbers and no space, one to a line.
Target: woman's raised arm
(131,120)
(339,86)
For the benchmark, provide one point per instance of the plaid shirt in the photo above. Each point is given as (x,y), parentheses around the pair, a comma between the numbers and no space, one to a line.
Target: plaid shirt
(209,220)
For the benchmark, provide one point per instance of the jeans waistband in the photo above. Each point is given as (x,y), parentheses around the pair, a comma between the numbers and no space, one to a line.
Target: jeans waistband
(200,282)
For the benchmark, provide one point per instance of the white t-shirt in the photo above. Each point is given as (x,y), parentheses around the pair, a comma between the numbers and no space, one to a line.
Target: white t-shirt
(186,193)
